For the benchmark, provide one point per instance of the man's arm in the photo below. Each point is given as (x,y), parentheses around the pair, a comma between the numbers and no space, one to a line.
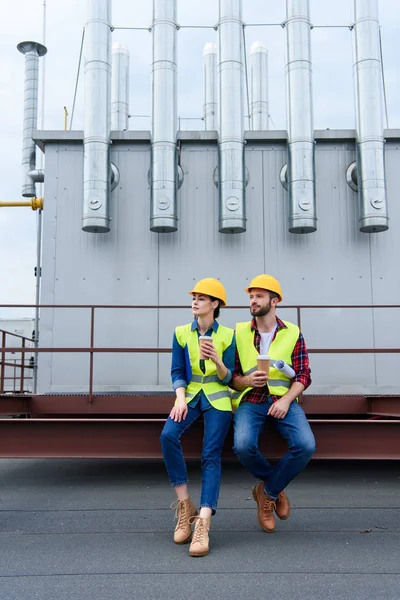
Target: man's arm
(240,382)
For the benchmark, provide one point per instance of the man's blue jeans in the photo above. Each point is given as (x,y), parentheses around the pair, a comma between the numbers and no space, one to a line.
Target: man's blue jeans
(250,420)
(216,426)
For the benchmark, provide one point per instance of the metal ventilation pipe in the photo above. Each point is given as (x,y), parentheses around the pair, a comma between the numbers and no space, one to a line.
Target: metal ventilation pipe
(369,118)
(210,86)
(258,67)
(163,208)
(30,175)
(301,169)
(97,123)
(120,88)
(232,208)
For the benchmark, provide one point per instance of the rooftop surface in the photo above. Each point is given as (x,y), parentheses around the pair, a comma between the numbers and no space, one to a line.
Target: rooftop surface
(102,529)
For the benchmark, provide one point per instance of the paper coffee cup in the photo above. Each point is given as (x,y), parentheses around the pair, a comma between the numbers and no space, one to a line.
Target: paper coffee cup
(202,339)
(263,363)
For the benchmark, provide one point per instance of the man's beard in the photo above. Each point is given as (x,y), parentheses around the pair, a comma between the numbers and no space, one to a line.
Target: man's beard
(262,311)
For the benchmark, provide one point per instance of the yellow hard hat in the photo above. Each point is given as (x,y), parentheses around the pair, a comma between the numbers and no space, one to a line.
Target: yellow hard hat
(210,287)
(265,282)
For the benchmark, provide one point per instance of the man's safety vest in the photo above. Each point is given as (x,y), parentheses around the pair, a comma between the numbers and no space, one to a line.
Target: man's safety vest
(280,349)
(216,392)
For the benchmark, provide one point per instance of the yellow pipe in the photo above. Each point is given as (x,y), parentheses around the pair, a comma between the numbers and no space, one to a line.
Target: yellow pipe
(34,203)
(65,118)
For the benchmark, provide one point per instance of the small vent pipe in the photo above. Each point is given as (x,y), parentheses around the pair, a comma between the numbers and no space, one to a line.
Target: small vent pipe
(97,122)
(231,171)
(163,206)
(258,67)
(210,87)
(30,175)
(120,88)
(369,118)
(301,169)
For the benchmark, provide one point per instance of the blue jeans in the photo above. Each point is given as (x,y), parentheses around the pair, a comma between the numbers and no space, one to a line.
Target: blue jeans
(216,426)
(249,422)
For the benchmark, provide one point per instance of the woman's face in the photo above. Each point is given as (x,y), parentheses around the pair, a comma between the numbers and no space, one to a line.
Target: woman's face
(203,306)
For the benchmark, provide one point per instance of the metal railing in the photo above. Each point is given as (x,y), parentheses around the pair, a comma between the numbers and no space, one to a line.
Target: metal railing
(92,349)
(18,365)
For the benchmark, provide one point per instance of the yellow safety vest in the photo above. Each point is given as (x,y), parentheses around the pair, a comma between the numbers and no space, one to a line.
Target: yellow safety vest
(280,349)
(216,393)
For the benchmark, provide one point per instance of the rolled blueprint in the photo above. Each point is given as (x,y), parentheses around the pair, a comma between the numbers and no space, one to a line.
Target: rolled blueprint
(284,368)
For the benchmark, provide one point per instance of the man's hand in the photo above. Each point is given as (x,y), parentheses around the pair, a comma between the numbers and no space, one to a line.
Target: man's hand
(257,379)
(179,412)
(279,409)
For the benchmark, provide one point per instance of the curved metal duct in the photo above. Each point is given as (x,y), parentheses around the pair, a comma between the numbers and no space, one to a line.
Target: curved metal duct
(369,118)
(97,124)
(30,175)
(163,206)
(258,67)
(301,169)
(210,86)
(232,208)
(120,88)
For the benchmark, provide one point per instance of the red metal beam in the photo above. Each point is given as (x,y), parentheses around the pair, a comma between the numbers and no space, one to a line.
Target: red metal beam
(14,405)
(139,438)
(388,406)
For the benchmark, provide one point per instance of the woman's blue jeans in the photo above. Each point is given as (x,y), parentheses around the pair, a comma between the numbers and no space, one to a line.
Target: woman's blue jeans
(249,422)
(216,426)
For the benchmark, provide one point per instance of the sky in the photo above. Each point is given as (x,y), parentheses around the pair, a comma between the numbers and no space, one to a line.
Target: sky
(65,19)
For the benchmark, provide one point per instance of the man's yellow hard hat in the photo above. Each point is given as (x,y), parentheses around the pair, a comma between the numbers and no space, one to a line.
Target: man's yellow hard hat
(210,287)
(265,282)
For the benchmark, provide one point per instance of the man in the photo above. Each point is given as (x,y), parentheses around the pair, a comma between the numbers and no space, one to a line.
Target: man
(261,397)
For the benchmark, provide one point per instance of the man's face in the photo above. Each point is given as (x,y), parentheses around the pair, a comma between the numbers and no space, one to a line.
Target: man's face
(260,302)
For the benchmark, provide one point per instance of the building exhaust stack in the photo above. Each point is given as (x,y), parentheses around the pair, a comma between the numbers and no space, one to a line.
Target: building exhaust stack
(120,88)
(231,179)
(301,169)
(258,67)
(369,118)
(97,123)
(30,175)
(210,87)
(163,208)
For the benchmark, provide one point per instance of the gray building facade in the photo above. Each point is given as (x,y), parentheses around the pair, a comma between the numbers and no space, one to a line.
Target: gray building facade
(336,265)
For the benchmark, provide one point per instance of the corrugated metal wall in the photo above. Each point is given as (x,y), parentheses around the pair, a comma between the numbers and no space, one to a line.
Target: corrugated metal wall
(131,265)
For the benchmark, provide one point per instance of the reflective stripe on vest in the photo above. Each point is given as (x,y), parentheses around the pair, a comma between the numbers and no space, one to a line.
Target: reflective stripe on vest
(209,382)
(280,349)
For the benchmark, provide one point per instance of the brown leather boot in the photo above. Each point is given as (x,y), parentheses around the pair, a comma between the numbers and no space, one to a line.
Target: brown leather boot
(184,510)
(282,507)
(266,505)
(200,540)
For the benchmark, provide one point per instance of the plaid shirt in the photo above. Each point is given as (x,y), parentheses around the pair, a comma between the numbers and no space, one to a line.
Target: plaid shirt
(300,364)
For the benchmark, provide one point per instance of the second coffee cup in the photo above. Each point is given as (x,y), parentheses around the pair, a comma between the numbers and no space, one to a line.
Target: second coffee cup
(263,363)
(202,339)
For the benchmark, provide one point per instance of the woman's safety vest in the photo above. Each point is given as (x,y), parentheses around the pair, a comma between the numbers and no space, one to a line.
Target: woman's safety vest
(280,349)
(217,393)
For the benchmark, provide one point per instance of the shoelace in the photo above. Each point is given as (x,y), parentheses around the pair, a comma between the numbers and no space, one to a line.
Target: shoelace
(269,505)
(199,529)
(179,507)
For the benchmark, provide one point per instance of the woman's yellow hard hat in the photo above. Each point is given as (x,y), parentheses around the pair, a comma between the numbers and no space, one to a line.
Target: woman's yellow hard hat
(210,287)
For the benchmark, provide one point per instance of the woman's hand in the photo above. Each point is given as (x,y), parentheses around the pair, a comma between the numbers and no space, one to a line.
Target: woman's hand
(179,411)
(209,351)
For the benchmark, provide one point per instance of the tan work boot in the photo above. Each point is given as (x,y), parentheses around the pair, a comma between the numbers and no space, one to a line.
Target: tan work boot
(184,510)
(282,507)
(265,505)
(200,540)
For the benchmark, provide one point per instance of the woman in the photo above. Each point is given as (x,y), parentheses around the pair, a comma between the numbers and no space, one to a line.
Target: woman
(201,387)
